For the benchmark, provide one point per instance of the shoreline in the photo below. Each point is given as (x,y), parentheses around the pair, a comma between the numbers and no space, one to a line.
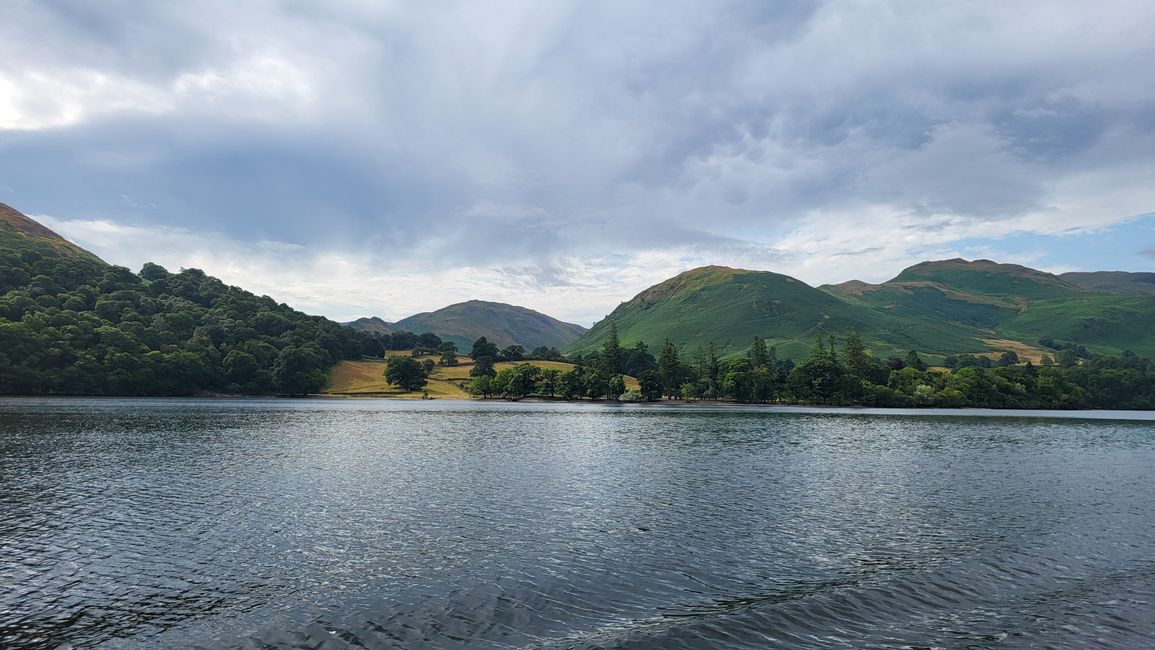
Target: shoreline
(662,405)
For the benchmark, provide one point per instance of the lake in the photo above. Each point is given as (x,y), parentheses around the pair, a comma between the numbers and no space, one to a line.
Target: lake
(390,524)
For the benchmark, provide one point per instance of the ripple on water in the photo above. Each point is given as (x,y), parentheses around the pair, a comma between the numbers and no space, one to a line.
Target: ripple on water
(144,523)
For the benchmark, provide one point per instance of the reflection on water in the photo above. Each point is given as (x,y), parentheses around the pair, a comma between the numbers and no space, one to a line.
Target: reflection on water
(311,523)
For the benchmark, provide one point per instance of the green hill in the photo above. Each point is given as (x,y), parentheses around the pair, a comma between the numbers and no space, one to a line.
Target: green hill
(1121,282)
(465,322)
(73,324)
(728,307)
(938,308)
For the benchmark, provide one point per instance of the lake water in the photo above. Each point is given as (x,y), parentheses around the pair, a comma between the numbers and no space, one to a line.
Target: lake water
(383,524)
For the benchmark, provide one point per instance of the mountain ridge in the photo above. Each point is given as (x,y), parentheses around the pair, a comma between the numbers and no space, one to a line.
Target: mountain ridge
(939,307)
(501,323)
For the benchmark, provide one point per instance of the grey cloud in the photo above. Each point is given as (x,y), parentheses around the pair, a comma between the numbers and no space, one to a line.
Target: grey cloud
(1148,252)
(473,133)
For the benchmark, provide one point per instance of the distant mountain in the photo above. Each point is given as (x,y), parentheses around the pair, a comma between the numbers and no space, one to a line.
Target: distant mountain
(465,322)
(372,325)
(1121,282)
(938,308)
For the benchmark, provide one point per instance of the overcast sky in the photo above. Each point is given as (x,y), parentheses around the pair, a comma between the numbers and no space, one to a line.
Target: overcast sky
(360,158)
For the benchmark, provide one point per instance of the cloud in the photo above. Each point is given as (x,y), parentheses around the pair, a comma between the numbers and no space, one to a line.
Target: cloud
(1148,252)
(526,144)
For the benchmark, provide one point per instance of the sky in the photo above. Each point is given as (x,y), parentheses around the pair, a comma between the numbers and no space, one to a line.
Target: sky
(357,158)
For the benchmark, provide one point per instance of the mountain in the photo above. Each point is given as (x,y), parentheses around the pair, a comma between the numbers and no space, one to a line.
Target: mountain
(938,308)
(995,306)
(372,325)
(1121,282)
(72,324)
(465,322)
(728,307)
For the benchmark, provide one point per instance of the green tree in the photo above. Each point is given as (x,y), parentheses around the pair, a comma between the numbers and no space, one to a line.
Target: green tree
(448,350)
(481,386)
(650,385)
(513,353)
(612,352)
(482,367)
(819,378)
(670,370)
(617,387)
(759,356)
(405,372)
(483,348)
(297,371)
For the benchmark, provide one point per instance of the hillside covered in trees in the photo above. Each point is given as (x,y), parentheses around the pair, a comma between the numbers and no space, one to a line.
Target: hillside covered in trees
(71,324)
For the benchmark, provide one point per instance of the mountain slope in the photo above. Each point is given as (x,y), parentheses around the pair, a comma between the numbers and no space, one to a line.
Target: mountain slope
(937,308)
(728,307)
(1121,282)
(20,231)
(465,322)
(1008,302)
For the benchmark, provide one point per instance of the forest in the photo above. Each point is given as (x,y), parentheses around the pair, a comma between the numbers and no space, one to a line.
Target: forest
(72,325)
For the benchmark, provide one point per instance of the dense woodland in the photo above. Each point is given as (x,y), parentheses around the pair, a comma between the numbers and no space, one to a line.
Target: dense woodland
(838,372)
(73,325)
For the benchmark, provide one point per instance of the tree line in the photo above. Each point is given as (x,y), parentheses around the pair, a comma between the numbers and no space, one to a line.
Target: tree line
(838,372)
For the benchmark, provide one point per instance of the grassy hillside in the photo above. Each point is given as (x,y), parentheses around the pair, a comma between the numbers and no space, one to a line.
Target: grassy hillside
(19,233)
(938,308)
(728,307)
(464,323)
(1121,282)
(366,378)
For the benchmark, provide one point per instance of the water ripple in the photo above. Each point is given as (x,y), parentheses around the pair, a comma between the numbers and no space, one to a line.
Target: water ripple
(326,524)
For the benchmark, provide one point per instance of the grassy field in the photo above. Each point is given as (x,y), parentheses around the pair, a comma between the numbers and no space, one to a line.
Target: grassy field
(366,378)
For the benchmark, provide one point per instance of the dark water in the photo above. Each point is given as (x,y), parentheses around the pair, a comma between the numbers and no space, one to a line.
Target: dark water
(377,524)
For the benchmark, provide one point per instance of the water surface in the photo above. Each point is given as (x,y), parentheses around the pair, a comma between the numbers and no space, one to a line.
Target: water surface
(383,524)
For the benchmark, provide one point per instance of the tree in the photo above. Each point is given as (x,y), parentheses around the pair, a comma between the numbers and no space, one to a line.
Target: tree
(297,371)
(914,361)
(639,360)
(483,348)
(482,367)
(819,378)
(617,387)
(448,350)
(519,381)
(737,379)
(612,352)
(480,386)
(759,356)
(650,385)
(428,341)
(669,370)
(854,356)
(1008,358)
(513,353)
(405,372)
